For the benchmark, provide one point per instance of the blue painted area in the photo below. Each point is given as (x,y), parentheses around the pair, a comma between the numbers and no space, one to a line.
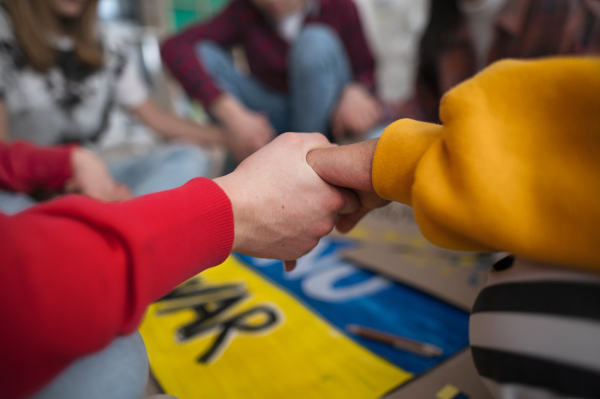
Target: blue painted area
(344,294)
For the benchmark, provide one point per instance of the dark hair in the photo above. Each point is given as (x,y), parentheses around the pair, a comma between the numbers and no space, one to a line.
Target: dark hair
(444,15)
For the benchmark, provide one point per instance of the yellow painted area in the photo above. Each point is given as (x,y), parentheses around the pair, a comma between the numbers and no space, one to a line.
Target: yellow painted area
(392,236)
(358,233)
(419,242)
(447,392)
(447,270)
(302,356)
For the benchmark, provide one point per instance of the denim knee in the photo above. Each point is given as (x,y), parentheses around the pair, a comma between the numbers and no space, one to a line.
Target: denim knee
(214,57)
(316,47)
(188,162)
(120,371)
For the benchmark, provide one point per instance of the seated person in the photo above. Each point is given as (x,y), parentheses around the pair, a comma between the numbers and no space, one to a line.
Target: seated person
(310,70)
(464,36)
(59,82)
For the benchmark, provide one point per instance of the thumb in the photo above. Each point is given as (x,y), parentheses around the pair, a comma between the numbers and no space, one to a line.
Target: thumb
(345,166)
(72,186)
(347,222)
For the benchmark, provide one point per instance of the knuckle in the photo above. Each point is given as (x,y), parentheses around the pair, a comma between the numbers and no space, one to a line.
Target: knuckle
(318,137)
(313,243)
(337,201)
(324,228)
(291,139)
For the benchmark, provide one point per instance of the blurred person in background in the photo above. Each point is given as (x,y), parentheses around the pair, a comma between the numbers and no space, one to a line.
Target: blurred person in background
(60,80)
(464,36)
(310,70)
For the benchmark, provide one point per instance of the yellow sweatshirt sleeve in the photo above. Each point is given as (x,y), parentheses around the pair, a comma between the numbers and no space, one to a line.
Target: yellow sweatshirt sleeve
(515,165)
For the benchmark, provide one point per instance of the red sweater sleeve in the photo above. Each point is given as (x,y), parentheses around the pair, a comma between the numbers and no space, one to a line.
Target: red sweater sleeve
(180,55)
(75,273)
(24,167)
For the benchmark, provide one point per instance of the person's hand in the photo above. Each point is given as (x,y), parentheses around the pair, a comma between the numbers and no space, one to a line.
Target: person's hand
(247,131)
(91,177)
(281,207)
(349,166)
(356,113)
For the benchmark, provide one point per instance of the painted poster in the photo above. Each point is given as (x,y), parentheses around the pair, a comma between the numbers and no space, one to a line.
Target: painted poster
(247,329)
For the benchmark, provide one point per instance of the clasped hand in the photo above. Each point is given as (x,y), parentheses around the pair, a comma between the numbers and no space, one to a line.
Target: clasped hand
(294,191)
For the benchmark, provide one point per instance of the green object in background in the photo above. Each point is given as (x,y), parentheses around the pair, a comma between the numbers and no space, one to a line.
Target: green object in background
(182,18)
(185,12)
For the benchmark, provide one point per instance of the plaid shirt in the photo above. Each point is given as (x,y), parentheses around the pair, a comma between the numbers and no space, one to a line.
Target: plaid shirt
(241,23)
(524,29)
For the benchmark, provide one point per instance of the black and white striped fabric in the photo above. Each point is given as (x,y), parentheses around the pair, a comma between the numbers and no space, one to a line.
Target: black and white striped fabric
(535,332)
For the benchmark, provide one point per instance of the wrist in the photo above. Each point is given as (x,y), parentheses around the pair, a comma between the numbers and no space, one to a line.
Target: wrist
(78,157)
(226,108)
(234,191)
(365,151)
(356,87)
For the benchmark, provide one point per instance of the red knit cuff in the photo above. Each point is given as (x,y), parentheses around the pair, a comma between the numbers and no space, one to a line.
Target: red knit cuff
(53,167)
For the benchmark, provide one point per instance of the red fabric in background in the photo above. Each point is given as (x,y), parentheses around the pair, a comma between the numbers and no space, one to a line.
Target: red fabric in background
(25,167)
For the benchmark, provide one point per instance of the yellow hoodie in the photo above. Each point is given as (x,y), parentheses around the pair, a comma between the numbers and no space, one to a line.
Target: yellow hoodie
(515,165)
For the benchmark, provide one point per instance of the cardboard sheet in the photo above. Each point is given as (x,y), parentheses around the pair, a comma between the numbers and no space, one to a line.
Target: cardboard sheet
(389,242)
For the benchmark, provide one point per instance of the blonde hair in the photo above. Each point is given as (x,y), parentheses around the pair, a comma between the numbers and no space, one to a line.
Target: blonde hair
(33,19)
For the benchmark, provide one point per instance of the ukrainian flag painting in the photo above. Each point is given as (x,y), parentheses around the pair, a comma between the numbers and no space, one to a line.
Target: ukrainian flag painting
(246,329)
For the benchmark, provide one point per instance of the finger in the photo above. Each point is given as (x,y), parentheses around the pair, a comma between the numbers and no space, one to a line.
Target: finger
(105,194)
(289,265)
(345,166)
(366,119)
(370,117)
(240,153)
(267,138)
(348,221)
(360,126)
(72,186)
(314,157)
(304,141)
(337,128)
(375,114)
(255,145)
(265,134)
(337,132)
(249,146)
(316,140)
(351,203)
(123,193)
(378,111)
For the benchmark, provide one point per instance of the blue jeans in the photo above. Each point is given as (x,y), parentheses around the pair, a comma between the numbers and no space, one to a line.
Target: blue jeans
(117,372)
(164,168)
(11,203)
(318,71)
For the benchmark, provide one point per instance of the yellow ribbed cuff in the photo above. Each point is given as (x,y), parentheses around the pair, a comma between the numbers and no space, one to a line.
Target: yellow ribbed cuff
(398,153)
